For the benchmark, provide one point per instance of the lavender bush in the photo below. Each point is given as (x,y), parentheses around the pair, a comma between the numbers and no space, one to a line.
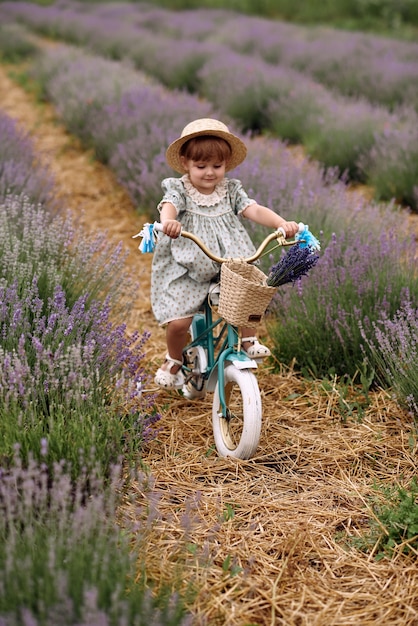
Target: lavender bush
(196,24)
(14,43)
(324,321)
(394,353)
(381,70)
(81,87)
(67,370)
(63,559)
(176,63)
(344,133)
(241,88)
(384,166)
(20,171)
(61,354)
(298,111)
(297,187)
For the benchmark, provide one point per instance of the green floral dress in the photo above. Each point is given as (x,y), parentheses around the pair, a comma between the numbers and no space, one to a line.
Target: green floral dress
(181,272)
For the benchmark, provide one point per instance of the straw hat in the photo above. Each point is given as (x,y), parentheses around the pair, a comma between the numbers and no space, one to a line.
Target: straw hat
(206,126)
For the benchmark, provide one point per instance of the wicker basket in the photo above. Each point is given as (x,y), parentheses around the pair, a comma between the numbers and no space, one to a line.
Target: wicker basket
(244,295)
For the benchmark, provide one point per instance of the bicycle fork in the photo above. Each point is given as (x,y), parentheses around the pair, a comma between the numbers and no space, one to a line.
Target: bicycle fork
(202,328)
(238,358)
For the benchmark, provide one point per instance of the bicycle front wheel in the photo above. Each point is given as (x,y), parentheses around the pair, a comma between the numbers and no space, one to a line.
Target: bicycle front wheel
(238,433)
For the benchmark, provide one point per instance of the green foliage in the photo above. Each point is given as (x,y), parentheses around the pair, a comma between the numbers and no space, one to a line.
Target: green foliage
(394,524)
(23,79)
(44,3)
(296,117)
(229,566)
(350,400)
(390,12)
(228,513)
(384,16)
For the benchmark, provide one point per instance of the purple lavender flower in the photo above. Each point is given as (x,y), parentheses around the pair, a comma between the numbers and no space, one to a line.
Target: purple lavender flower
(294,264)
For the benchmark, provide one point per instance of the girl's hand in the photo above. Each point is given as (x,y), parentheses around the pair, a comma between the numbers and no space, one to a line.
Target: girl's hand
(172,228)
(290,228)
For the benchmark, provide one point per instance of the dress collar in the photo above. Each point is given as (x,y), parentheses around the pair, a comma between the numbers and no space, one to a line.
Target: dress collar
(203,199)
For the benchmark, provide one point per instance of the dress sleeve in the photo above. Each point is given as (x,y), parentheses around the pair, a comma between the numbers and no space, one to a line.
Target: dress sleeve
(238,196)
(173,191)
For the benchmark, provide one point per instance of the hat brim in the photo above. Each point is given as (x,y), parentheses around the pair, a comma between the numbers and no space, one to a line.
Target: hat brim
(238,149)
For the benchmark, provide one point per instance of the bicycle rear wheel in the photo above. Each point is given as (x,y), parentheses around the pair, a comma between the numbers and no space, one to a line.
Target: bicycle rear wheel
(238,433)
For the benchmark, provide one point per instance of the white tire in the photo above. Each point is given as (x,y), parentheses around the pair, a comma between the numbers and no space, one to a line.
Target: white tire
(238,434)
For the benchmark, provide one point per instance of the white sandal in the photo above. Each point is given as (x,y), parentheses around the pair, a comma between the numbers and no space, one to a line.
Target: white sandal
(256,350)
(167,380)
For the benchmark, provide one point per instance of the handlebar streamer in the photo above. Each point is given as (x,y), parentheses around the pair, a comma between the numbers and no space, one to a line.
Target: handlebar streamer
(309,240)
(148,238)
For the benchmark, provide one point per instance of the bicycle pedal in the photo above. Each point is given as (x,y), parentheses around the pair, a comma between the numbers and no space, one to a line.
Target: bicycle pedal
(191,393)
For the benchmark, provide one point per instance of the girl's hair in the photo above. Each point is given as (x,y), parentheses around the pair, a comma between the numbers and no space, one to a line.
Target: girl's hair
(205,148)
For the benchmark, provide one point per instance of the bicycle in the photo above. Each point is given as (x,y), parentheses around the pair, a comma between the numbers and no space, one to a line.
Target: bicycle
(214,361)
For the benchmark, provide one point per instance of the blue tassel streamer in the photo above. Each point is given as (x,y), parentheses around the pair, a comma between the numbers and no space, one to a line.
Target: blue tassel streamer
(148,238)
(309,240)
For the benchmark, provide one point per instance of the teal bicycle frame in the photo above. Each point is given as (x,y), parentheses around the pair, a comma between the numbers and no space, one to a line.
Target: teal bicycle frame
(223,347)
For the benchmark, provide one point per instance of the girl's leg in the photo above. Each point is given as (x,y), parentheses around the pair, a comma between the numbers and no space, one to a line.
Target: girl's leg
(176,338)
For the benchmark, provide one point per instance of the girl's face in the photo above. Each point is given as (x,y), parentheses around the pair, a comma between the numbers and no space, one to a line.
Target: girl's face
(204,175)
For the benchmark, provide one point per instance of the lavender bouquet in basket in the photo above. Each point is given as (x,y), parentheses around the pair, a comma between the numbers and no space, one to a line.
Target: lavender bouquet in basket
(297,261)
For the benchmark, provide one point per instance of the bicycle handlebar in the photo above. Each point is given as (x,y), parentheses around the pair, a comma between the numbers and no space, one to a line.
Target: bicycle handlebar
(279,235)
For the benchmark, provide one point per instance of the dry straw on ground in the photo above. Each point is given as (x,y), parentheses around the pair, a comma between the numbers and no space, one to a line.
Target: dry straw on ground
(262,540)
(259,541)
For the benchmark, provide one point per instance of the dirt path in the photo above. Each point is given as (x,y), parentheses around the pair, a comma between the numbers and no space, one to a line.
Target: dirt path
(256,537)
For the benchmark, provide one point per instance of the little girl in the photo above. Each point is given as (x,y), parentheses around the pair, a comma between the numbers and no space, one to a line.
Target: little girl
(207,204)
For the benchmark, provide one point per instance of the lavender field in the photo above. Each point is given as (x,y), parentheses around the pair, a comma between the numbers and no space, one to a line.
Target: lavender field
(74,427)
(128,118)
(355,109)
